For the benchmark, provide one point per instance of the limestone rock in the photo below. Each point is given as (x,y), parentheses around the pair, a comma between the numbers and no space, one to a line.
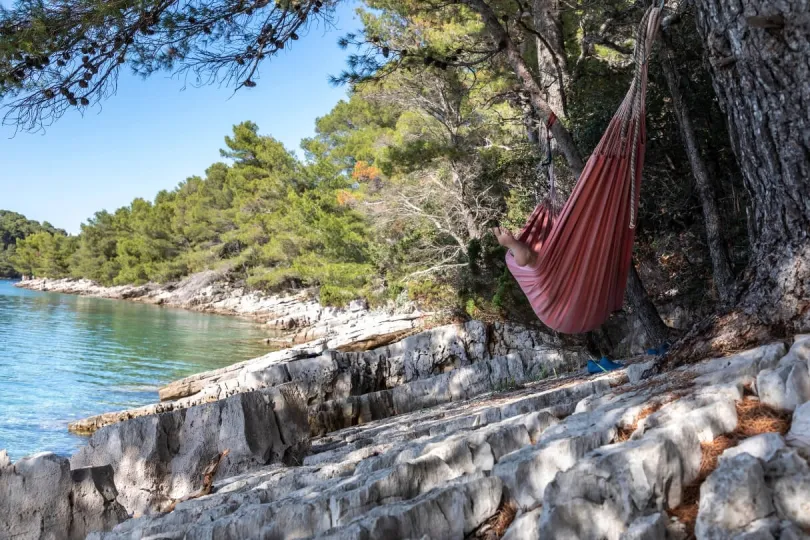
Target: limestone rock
(799,435)
(446,363)
(761,529)
(525,526)
(789,531)
(449,512)
(786,386)
(162,457)
(733,497)
(637,372)
(788,475)
(739,368)
(762,447)
(709,415)
(615,485)
(40,497)
(652,527)
(800,350)
(467,440)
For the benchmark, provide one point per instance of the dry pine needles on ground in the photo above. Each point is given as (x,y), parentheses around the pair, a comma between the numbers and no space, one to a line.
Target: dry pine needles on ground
(495,527)
(753,418)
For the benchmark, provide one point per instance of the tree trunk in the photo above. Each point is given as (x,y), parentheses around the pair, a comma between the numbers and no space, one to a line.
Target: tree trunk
(759,57)
(552,63)
(721,264)
(514,58)
(657,332)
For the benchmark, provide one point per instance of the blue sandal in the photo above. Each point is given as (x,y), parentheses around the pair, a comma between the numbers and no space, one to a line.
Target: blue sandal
(603,366)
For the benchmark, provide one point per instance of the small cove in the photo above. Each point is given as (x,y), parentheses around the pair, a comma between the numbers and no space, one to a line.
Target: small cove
(65,357)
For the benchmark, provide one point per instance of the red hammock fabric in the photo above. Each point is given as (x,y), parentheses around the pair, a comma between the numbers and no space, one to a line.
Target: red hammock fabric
(583,255)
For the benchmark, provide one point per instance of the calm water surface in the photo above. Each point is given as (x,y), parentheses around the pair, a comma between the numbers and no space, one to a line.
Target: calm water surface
(65,357)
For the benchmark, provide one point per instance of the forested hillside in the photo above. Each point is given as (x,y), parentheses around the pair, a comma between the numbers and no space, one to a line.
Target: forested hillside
(14,227)
(442,135)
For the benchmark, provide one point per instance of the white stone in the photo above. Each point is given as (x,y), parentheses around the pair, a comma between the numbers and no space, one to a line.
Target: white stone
(525,527)
(732,497)
(788,475)
(786,386)
(799,435)
(763,447)
(40,497)
(652,527)
(636,372)
(613,486)
(158,458)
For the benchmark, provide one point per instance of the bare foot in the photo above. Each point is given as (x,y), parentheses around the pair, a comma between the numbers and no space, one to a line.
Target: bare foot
(523,255)
(504,236)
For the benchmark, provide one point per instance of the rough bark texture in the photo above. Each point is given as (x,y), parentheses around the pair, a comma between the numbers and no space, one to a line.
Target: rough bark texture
(657,332)
(721,263)
(552,65)
(759,57)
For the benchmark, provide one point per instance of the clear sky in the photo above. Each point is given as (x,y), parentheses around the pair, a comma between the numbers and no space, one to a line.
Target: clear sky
(153,134)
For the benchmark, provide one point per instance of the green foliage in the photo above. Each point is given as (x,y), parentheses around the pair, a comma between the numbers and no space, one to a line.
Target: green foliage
(44,254)
(402,179)
(61,55)
(267,217)
(13,228)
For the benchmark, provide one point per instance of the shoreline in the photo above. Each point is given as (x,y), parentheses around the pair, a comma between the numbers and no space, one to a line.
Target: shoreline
(293,318)
(205,292)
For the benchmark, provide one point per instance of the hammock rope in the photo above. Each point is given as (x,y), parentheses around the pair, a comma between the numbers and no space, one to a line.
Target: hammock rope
(584,248)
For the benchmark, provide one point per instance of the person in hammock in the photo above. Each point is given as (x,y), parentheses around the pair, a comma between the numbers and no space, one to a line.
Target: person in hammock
(523,254)
(526,257)
(572,262)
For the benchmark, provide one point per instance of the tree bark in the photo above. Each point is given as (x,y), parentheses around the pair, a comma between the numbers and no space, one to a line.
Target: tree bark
(721,263)
(657,332)
(552,63)
(759,58)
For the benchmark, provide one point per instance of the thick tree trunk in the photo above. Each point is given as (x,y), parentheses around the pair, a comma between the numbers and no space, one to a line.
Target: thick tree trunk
(657,332)
(759,57)
(721,263)
(552,64)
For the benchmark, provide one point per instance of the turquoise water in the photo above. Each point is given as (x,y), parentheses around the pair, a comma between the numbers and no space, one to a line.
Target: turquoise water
(65,357)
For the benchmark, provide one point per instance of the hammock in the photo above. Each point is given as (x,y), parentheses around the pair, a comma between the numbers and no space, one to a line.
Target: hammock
(584,250)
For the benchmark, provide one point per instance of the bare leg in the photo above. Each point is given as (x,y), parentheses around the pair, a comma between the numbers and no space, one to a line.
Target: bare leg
(523,255)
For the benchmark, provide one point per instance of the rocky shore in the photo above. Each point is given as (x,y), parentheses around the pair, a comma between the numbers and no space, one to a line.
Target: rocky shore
(468,430)
(294,318)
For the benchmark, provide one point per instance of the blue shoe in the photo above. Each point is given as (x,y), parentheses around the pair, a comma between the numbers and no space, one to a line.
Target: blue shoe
(593,367)
(608,365)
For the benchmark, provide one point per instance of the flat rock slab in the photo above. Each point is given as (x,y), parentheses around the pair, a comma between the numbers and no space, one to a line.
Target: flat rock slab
(462,360)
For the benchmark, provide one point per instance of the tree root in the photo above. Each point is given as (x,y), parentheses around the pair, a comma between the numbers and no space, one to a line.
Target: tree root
(720,335)
(208,482)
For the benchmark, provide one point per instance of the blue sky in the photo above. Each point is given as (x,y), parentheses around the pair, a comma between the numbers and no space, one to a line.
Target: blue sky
(153,134)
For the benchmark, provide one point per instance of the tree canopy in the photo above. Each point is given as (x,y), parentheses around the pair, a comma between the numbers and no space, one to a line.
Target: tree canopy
(442,135)
(15,227)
